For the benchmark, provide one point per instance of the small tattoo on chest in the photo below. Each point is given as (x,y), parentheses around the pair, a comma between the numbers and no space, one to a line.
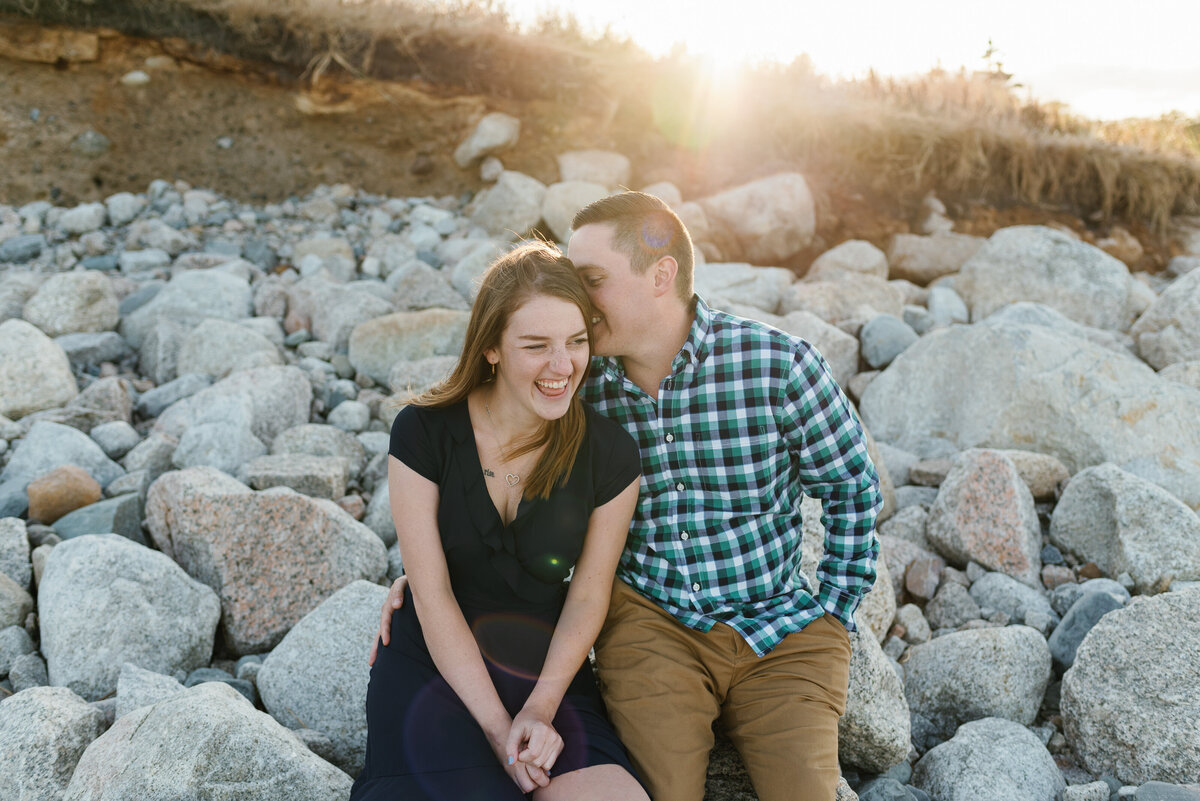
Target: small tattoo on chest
(488,473)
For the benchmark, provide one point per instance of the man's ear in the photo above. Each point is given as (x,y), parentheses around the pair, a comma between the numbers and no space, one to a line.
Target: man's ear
(665,270)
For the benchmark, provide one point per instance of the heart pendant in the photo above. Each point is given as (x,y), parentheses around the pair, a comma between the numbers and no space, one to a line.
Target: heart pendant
(512,480)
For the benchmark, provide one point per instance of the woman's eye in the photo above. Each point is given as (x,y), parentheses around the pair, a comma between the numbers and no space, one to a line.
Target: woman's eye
(579,341)
(534,347)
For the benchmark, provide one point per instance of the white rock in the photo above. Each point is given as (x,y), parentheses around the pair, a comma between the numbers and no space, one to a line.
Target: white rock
(923,259)
(35,373)
(84,218)
(377,345)
(723,285)
(604,167)
(220,347)
(873,735)
(990,760)
(563,200)
(852,256)
(43,733)
(317,677)
(494,133)
(104,601)
(510,207)
(209,743)
(840,297)
(1169,331)
(137,687)
(73,303)
(123,207)
(278,397)
(769,219)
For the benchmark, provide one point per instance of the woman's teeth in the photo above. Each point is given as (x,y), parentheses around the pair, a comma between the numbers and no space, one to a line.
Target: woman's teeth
(552,384)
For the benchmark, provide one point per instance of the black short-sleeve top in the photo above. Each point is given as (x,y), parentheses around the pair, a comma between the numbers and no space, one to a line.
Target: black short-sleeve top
(523,564)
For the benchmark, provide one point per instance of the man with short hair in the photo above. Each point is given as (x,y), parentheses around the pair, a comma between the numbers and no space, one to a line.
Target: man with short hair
(710,616)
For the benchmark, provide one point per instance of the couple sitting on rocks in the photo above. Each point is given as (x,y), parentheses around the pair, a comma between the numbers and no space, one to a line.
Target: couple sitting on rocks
(515,489)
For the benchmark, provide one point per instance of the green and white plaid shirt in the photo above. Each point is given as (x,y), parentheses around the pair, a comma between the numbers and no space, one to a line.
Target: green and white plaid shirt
(748,421)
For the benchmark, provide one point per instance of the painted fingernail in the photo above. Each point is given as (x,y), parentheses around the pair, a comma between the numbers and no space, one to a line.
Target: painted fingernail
(512,760)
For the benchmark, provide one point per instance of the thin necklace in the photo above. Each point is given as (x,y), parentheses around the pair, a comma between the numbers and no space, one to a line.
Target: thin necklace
(513,479)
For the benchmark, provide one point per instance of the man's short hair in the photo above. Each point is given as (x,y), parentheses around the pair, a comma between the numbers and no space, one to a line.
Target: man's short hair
(646,230)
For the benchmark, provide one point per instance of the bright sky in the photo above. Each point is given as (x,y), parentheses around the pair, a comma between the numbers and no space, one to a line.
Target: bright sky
(1106,59)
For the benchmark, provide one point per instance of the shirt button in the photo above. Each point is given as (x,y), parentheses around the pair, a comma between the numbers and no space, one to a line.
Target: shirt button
(683,536)
(670,437)
(679,486)
(695,588)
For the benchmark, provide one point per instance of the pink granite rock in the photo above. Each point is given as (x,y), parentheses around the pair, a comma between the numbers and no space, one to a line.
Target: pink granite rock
(984,513)
(271,556)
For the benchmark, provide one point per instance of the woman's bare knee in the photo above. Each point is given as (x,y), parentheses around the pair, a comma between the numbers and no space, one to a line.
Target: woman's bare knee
(597,783)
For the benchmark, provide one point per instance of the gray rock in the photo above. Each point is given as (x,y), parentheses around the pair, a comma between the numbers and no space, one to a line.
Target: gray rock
(322,440)
(1093,791)
(202,675)
(765,221)
(1125,524)
(922,259)
(951,607)
(43,733)
(412,378)
(155,233)
(395,563)
(123,207)
(946,307)
(137,687)
(14,642)
(104,601)
(728,285)
(271,556)
(73,303)
(121,514)
(469,267)
(220,347)
(376,346)
(990,760)
(317,678)
(1036,263)
(1161,791)
(1006,594)
(1027,313)
(14,551)
(854,256)
(152,455)
(1000,385)
(883,338)
(206,742)
(50,445)
(90,350)
(1169,331)
(1129,700)
(191,296)
(116,438)
(221,436)
(91,144)
(22,248)
(318,476)
(133,262)
(1183,372)
(155,401)
(1065,595)
(495,133)
(35,374)
(1077,622)
(416,286)
(509,207)
(350,415)
(27,671)
(978,673)
(278,398)
(873,735)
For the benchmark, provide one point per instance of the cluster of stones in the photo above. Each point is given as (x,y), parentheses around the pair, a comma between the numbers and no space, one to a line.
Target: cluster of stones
(196,535)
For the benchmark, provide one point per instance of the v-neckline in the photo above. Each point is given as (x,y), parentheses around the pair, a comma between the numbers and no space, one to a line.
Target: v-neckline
(521,504)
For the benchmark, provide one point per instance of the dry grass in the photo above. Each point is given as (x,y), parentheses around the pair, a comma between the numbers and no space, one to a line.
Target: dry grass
(969,136)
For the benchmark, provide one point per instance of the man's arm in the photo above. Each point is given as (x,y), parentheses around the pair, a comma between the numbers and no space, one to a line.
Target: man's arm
(827,440)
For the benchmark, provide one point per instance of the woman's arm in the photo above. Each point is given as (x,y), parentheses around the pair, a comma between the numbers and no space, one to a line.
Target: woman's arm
(583,614)
(414,502)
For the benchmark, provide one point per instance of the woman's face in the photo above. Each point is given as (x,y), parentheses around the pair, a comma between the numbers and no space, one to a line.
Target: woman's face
(542,357)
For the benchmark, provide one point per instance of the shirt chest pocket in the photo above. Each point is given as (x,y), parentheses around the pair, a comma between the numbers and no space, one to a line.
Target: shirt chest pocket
(736,460)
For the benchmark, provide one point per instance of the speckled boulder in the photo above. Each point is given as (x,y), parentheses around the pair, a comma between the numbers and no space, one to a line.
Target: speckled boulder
(43,733)
(990,760)
(984,513)
(271,556)
(35,373)
(74,303)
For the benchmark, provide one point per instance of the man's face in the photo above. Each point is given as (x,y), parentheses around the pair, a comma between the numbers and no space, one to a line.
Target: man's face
(622,298)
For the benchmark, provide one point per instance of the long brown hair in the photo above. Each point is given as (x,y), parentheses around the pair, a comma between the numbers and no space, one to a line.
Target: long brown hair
(532,269)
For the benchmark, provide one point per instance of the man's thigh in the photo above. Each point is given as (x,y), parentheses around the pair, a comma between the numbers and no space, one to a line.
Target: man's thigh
(782,713)
(660,694)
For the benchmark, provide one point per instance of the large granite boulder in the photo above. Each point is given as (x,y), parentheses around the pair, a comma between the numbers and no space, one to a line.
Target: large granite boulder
(104,601)
(1125,524)
(220,347)
(873,735)
(317,676)
(73,303)
(205,743)
(1033,262)
(1131,700)
(277,398)
(509,207)
(271,556)
(725,285)
(43,733)
(35,373)
(765,221)
(978,673)
(990,760)
(1002,385)
(190,298)
(377,345)
(1169,331)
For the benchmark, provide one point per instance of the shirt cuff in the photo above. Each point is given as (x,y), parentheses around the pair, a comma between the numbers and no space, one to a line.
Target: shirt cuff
(840,604)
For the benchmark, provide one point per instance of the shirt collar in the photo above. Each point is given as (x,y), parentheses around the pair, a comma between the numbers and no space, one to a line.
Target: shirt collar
(694,349)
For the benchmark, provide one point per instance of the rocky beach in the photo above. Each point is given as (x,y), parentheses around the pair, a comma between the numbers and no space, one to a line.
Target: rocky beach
(195,533)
